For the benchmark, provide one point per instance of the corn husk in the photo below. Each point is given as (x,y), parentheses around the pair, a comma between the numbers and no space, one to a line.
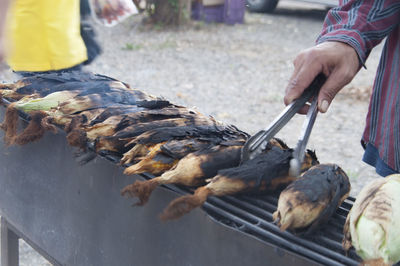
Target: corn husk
(373,224)
(46,103)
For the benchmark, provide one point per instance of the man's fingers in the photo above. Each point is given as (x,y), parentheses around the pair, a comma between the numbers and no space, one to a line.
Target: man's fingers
(294,75)
(336,60)
(335,82)
(301,81)
(303,110)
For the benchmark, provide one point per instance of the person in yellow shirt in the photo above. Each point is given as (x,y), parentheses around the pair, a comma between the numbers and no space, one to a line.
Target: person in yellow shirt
(41,35)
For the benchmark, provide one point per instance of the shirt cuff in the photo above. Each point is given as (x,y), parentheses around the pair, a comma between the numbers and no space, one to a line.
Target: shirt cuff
(350,37)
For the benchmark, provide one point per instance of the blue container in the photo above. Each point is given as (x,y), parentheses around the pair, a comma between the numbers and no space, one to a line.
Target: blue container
(209,14)
(234,11)
(197,10)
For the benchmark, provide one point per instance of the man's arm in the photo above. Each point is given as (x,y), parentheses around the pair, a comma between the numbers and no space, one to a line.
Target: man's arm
(4,4)
(361,24)
(349,34)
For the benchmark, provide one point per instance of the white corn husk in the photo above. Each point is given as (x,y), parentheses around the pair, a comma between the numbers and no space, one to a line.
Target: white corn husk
(373,224)
(46,103)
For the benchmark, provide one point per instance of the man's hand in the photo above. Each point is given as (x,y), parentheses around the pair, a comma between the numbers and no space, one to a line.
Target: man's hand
(338,61)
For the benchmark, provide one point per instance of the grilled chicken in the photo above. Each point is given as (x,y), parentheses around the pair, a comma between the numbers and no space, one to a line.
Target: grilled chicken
(313,198)
(267,172)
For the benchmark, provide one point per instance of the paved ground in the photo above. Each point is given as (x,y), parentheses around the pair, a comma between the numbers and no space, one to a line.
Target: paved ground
(238,75)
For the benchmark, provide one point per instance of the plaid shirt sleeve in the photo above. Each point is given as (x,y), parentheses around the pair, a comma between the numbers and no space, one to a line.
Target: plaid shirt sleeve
(362,24)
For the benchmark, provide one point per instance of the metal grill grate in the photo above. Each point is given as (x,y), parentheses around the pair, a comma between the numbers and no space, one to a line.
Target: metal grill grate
(252,215)
(255,216)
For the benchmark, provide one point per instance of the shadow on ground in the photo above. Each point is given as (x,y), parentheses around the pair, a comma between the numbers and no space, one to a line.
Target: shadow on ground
(301,12)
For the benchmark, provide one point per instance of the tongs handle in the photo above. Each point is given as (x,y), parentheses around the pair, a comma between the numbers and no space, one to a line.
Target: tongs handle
(258,141)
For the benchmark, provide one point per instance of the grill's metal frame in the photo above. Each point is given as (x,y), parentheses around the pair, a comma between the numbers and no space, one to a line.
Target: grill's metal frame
(74,215)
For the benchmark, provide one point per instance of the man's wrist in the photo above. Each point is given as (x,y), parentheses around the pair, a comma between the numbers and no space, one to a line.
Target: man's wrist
(350,37)
(362,57)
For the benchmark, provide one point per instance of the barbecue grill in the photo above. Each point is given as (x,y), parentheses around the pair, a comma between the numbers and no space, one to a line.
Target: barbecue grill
(73,214)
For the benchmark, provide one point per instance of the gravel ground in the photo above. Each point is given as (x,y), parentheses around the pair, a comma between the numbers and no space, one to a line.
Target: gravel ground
(238,75)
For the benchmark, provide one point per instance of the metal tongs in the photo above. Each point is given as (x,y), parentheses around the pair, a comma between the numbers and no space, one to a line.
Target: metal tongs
(258,142)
